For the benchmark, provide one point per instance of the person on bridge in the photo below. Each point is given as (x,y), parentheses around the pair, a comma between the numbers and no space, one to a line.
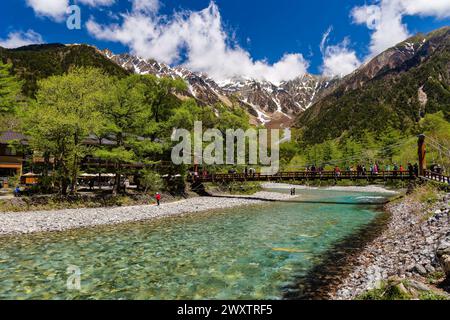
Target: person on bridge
(337,171)
(416,169)
(395,169)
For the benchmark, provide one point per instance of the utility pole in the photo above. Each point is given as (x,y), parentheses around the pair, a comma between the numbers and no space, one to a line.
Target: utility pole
(421,153)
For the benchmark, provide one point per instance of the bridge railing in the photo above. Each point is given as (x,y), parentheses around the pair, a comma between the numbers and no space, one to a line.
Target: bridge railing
(437,176)
(301,175)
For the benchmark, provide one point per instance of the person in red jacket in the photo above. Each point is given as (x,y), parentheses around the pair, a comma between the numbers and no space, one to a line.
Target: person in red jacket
(158,198)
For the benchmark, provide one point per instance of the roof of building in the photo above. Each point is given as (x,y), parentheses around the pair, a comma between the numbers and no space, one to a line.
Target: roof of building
(10,136)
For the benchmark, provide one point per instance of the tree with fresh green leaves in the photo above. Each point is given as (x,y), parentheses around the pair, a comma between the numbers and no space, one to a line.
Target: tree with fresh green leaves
(64,114)
(151,181)
(10,97)
(10,89)
(125,118)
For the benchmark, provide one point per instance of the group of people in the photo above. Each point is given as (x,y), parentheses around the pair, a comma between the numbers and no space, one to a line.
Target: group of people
(292,191)
(373,169)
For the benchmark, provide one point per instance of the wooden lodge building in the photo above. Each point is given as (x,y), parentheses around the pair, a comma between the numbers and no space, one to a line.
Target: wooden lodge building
(12,158)
(17,159)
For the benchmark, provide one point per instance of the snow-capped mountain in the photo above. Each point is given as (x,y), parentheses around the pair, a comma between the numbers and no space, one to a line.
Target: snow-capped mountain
(267,103)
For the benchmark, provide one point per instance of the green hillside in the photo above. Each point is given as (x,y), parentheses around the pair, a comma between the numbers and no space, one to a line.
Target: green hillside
(36,62)
(390,100)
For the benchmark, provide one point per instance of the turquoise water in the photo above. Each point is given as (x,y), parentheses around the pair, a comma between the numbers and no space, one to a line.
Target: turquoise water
(245,253)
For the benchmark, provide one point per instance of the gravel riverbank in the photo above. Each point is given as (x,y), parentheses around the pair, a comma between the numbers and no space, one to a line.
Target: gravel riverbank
(370,188)
(58,220)
(405,250)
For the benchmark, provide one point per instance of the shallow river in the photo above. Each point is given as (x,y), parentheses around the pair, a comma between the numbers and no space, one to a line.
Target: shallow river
(246,253)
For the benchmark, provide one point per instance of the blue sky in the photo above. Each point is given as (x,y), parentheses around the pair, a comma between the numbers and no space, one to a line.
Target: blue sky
(267,32)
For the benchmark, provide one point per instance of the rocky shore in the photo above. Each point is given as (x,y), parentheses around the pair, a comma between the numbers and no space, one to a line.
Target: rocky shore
(58,220)
(414,247)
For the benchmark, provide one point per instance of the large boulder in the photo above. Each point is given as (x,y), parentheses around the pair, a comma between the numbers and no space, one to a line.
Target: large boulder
(443,254)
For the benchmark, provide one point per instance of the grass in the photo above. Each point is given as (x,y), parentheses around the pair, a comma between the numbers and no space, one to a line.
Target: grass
(399,291)
(242,188)
(385,292)
(427,194)
(429,295)
(435,277)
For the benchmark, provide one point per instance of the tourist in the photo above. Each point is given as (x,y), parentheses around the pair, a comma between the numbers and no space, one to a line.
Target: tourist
(17,191)
(416,169)
(158,198)
(337,171)
(410,170)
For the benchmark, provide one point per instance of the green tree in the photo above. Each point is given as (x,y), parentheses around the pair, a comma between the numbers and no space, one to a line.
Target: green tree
(10,89)
(64,113)
(151,181)
(124,117)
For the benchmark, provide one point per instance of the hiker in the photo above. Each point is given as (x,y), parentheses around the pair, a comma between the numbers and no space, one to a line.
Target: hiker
(158,198)
(416,169)
(246,171)
(395,169)
(17,192)
(410,170)
(337,171)
(91,184)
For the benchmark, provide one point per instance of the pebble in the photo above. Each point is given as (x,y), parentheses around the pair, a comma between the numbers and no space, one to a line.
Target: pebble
(407,247)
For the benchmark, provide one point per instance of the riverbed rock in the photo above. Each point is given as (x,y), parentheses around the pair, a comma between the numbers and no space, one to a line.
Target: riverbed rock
(410,246)
(443,254)
(420,269)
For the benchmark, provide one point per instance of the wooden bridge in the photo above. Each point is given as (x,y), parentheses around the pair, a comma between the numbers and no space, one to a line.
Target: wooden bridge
(433,176)
(302,176)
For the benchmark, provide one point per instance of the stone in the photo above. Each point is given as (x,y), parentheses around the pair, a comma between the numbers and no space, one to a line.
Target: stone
(417,285)
(429,268)
(401,288)
(420,269)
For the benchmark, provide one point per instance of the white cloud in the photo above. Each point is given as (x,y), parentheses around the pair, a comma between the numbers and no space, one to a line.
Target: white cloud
(56,9)
(385,18)
(338,60)
(97,3)
(196,38)
(19,39)
(147,6)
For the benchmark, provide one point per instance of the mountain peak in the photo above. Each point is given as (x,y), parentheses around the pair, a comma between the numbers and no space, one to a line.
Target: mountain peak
(266,102)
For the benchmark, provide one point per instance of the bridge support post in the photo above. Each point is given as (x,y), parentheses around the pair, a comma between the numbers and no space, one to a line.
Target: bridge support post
(421,153)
